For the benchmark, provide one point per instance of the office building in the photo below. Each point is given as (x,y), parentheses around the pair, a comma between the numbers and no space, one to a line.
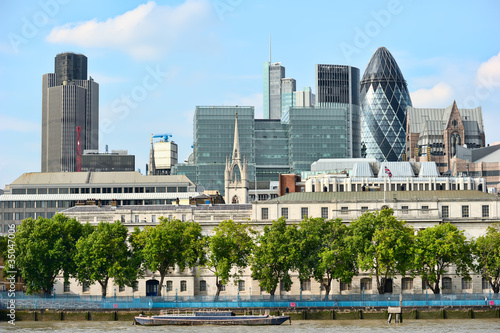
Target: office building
(337,84)
(384,99)
(288,87)
(273,73)
(271,147)
(43,194)
(117,160)
(433,134)
(70,110)
(304,97)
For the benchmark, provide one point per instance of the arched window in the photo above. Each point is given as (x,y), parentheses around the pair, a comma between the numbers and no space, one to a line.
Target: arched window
(152,287)
(235,200)
(287,190)
(366,284)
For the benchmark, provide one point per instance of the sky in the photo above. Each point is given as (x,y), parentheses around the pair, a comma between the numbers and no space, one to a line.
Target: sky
(156,61)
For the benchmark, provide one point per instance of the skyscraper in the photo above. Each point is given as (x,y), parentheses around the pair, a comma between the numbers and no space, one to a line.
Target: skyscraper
(337,84)
(288,87)
(273,73)
(69,100)
(384,100)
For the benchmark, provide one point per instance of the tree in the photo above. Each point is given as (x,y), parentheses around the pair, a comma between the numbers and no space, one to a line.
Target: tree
(274,256)
(487,254)
(326,252)
(45,248)
(384,245)
(104,254)
(229,248)
(437,249)
(173,243)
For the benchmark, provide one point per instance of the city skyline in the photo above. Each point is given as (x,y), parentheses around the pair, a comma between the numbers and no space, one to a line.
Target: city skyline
(160,66)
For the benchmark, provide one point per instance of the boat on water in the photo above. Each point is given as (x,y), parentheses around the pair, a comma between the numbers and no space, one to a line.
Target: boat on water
(210,318)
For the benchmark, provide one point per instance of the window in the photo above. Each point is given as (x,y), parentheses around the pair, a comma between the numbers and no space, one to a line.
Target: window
(183,218)
(136,218)
(264,213)
(445,211)
(18,216)
(223,287)
(169,285)
(485,284)
(324,212)
(203,285)
(241,285)
(344,210)
(425,285)
(407,284)
(153,218)
(135,286)
(364,208)
(160,189)
(85,287)
(150,189)
(486,210)
(53,191)
(366,284)
(465,211)
(42,191)
(404,209)
(284,212)
(345,286)
(171,189)
(446,283)
(66,287)
(304,212)
(425,209)
(466,283)
(122,218)
(305,285)
(183,285)
(121,288)
(19,204)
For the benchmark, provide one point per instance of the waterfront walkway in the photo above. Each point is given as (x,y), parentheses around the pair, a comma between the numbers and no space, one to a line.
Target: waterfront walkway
(80,302)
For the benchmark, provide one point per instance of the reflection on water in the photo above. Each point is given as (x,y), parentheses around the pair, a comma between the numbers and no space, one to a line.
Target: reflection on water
(298,326)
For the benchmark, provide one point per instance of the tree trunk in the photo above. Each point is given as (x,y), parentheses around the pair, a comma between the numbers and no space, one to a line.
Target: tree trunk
(218,284)
(380,285)
(104,287)
(162,277)
(327,287)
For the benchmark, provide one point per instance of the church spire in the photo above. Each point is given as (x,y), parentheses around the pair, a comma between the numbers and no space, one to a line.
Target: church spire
(236,144)
(152,166)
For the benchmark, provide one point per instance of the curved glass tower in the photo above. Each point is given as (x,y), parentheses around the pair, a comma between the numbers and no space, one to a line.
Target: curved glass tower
(384,99)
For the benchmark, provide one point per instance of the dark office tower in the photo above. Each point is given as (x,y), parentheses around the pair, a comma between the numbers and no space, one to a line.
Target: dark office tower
(384,100)
(69,67)
(337,84)
(69,100)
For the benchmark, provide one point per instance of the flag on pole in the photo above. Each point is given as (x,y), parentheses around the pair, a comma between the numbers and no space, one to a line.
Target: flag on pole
(388,172)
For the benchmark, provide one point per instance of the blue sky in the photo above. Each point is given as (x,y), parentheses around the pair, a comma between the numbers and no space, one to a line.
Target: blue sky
(155,61)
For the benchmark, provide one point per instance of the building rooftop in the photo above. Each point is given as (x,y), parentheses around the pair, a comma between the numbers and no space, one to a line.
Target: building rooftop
(67,178)
(370,196)
(156,208)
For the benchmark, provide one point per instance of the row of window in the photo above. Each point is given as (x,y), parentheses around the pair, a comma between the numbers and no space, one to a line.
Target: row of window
(22,216)
(85,190)
(344,210)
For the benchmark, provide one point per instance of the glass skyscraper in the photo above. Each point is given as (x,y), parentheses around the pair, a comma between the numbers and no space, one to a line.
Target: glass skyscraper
(273,73)
(384,100)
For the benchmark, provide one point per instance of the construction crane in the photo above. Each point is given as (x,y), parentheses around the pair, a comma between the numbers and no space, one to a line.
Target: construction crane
(164,137)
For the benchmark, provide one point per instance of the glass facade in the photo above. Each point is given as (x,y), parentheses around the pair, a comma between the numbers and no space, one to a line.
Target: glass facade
(384,100)
(273,73)
(288,87)
(271,147)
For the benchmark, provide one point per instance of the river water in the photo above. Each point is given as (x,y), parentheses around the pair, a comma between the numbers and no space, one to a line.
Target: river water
(298,326)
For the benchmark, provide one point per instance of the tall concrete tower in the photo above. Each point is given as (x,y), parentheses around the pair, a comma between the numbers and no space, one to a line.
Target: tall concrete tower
(69,100)
(384,99)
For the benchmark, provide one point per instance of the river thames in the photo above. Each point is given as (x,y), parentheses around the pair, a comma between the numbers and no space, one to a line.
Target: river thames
(298,326)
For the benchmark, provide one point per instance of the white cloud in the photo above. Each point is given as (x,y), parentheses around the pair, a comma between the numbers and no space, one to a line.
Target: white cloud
(145,32)
(488,74)
(17,125)
(441,95)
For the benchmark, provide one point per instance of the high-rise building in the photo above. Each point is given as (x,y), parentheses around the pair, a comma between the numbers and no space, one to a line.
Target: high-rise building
(69,100)
(288,87)
(337,84)
(273,73)
(304,97)
(271,146)
(384,102)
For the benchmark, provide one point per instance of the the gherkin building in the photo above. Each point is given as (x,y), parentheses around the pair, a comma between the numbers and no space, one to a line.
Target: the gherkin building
(384,99)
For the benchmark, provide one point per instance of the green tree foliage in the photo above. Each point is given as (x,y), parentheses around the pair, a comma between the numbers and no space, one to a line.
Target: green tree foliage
(229,250)
(274,256)
(45,248)
(384,245)
(173,243)
(325,252)
(137,241)
(105,254)
(436,249)
(487,254)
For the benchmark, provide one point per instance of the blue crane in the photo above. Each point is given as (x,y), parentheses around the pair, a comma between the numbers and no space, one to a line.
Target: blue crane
(164,137)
